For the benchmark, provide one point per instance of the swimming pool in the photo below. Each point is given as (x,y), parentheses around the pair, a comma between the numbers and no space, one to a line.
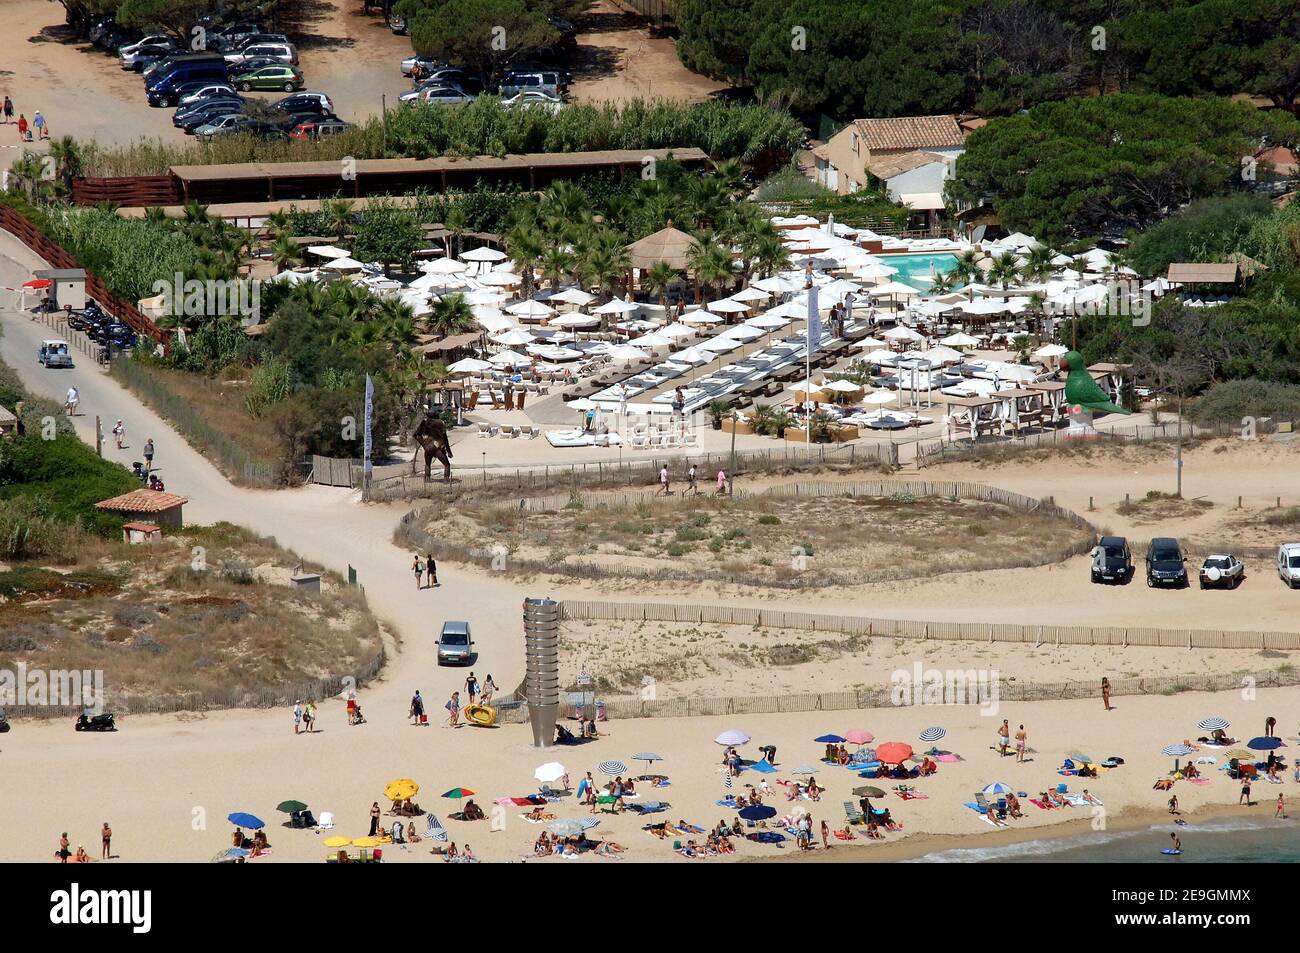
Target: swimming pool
(917,270)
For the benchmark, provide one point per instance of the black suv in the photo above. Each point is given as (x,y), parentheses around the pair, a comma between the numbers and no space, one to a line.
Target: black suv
(1166,565)
(1111,560)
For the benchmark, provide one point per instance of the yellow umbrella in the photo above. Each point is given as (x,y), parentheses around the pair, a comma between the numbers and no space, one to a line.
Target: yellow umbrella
(338,841)
(367,842)
(403,789)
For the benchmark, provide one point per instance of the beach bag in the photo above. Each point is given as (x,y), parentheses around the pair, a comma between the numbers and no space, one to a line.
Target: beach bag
(424,719)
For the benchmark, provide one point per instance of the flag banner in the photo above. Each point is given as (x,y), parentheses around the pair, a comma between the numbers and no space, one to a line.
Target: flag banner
(370,404)
(814,321)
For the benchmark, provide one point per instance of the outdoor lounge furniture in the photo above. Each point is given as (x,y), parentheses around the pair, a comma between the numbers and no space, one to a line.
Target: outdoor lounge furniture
(851,813)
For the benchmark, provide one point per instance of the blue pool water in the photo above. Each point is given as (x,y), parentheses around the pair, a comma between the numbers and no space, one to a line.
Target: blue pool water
(916,270)
(1255,837)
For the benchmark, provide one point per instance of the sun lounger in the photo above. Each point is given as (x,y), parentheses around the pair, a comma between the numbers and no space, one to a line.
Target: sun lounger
(851,813)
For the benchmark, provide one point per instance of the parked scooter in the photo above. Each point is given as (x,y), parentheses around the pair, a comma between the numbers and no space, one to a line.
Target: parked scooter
(102,722)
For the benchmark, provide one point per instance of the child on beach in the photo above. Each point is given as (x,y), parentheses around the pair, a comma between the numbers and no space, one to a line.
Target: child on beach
(453,710)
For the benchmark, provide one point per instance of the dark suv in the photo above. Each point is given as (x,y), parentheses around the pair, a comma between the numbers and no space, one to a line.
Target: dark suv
(1111,560)
(1166,565)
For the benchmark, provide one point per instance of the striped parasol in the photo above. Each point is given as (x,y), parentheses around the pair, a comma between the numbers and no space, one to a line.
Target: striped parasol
(1176,751)
(647,756)
(932,734)
(434,830)
(565,827)
(611,768)
(1213,724)
(997,787)
(727,783)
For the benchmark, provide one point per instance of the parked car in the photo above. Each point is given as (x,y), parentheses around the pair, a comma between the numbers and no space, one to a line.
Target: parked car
(305,103)
(225,122)
(54,353)
(200,114)
(532,99)
(280,52)
(1288,564)
(444,96)
(1222,570)
(424,62)
(1112,561)
(200,91)
(162,84)
(236,33)
(151,39)
(455,644)
(542,81)
(140,57)
(467,80)
(1166,565)
(287,78)
(318,127)
(247,41)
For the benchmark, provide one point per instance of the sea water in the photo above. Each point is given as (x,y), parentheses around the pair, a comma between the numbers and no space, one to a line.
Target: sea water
(1256,839)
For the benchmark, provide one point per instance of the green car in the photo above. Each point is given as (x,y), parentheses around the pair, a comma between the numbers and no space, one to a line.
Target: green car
(287,78)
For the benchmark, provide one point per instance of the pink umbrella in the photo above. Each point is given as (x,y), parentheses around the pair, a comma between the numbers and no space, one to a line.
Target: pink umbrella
(859,737)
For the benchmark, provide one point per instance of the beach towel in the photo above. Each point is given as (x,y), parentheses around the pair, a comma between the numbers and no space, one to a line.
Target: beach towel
(726,802)
(1041,804)
(766,837)
(1078,800)
(844,835)
(912,796)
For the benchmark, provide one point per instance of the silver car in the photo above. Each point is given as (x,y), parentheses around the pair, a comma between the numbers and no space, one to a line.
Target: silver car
(455,644)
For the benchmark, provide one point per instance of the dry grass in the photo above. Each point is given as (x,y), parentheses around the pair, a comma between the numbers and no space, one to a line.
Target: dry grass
(775,541)
(159,624)
(1158,507)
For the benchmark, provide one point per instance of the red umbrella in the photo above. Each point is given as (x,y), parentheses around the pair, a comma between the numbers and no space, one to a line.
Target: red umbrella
(893,752)
(38,283)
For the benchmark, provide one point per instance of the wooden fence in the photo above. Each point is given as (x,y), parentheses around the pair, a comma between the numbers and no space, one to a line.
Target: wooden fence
(131,190)
(333,471)
(17,224)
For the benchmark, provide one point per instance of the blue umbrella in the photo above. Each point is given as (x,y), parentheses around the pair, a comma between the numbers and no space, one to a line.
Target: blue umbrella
(997,787)
(1264,744)
(242,819)
(759,812)
(588,823)
(932,734)
(762,767)
(830,740)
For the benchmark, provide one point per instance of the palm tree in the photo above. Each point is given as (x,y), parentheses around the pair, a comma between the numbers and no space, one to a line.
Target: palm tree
(769,255)
(657,279)
(285,253)
(157,215)
(967,269)
(67,154)
(710,263)
(1005,269)
(1038,264)
(196,214)
(730,174)
(556,263)
(525,245)
(457,223)
(338,213)
(351,302)
(451,315)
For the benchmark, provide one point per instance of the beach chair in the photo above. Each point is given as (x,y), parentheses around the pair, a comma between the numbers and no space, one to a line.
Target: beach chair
(513,434)
(983,802)
(485,430)
(326,821)
(852,814)
(527,431)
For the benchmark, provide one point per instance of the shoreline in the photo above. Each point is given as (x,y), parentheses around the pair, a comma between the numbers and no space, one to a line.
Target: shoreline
(916,846)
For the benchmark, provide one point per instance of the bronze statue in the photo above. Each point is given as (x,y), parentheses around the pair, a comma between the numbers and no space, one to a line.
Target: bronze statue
(432,436)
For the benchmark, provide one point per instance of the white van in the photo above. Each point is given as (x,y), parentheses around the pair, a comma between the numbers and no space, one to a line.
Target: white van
(1288,564)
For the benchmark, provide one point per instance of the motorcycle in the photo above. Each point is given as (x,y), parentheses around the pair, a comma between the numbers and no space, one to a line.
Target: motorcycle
(102,722)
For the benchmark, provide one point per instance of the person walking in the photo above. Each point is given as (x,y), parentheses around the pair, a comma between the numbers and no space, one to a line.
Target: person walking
(148,455)
(71,401)
(1004,738)
(22,128)
(431,568)
(374,819)
(663,480)
(679,404)
(417,707)
(489,690)
(105,832)
(42,128)
(471,688)
(722,482)
(453,710)
(8,110)
(119,432)
(692,477)
(1245,792)
(418,568)
(297,716)
(1280,812)
(309,717)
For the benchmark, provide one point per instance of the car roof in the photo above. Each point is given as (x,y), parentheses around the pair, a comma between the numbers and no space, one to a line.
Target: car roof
(1112,541)
(1218,556)
(1164,541)
(461,628)
(56,341)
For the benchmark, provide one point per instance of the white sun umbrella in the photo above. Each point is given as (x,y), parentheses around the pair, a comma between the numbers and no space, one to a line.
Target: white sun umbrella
(902,332)
(551,771)
(530,309)
(484,296)
(863,344)
(652,340)
(892,289)
(616,306)
(500,279)
(444,266)
(469,365)
(842,386)
(484,253)
(791,309)
(880,357)
(960,339)
(573,296)
(701,317)
(874,269)
(751,294)
(835,290)
(742,332)
(1048,351)
(692,355)
(719,345)
(326,251)
(768,321)
(626,352)
(880,397)
(574,321)
(509,359)
(514,337)
(941,355)
(581,404)
(677,332)
(346,263)
(726,306)
(779,284)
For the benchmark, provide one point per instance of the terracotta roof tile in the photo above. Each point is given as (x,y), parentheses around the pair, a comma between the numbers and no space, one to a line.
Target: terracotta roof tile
(911,132)
(141,501)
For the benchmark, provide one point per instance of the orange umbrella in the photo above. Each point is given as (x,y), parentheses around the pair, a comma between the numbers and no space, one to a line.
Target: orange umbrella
(893,752)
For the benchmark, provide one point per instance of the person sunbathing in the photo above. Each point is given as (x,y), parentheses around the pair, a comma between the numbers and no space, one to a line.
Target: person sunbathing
(451,854)
(411,835)
(472,811)
(873,829)
(1191,771)
(629,786)
(1163,784)
(610,847)
(1013,806)
(1089,797)
(81,857)
(737,829)
(832,753)
(813,791)
(542,846)
(928,767)
(1055,799)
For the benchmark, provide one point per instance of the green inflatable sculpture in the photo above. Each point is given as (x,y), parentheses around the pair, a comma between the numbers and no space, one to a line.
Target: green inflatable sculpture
(1081,390)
